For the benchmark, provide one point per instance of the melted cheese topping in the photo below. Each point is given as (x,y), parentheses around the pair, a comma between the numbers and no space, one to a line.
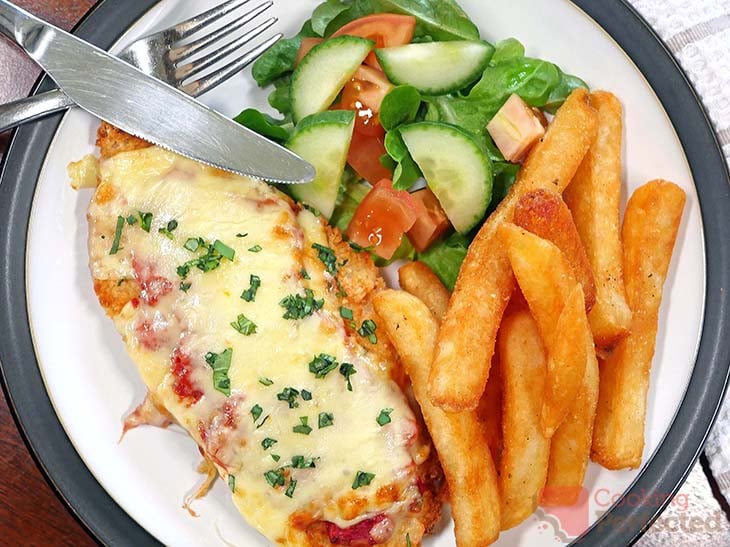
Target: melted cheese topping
(168,333)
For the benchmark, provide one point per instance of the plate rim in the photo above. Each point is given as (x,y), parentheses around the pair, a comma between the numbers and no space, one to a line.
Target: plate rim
(624,523)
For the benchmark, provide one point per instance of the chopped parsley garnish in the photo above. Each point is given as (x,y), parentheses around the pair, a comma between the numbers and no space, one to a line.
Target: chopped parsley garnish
(384,417)
(290,489)
(359,248)
(367,330)
(306,395)
(300,462)
(255,249)
(256,412)
(268,442)
(194,243)
(131,220)
(244,325)
(167,230)
(408,540)
(326,419)
(117,236)
(145,221)
(242,235)
(224,250)
(121,281)
(347,370)
(362,479)
(275,477)
(185,286)
(220,363)
(327,256)
(346,313)
(263,421)
(249,295)
(232,482)
(322,365)
(302,428)
(299,307)
(289,394)
(304,273)
(266,381)
(275,457)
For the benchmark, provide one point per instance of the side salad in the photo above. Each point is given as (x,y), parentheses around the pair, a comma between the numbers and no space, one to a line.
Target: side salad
(415,124)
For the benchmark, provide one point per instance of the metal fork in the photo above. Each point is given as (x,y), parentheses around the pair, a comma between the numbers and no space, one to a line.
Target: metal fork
(178,55)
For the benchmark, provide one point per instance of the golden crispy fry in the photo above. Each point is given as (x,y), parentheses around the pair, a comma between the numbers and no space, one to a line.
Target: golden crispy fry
(524,463)
(544,213)
(593,198)
(570,446)
(458,437)
(489,411)
(649,231)
(420,281)
(566,363)
(467,336)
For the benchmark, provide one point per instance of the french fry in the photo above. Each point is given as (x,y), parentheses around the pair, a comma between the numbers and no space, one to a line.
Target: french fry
(566,363)
(544,213)
(570,446)
(458,437)
(419,280)
(524,465)
(489,411)
(593,197)
(468,333)
(556,302)
(651,222)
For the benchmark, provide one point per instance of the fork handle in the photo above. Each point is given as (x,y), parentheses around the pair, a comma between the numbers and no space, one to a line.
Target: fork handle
(31,108)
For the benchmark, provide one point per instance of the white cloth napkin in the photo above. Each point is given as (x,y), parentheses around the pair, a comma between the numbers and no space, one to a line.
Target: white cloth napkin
(698,34)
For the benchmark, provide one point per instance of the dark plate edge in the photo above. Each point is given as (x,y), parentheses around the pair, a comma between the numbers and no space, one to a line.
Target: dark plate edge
(683,442)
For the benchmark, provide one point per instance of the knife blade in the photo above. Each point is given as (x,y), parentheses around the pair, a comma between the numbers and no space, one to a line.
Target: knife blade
(143,106)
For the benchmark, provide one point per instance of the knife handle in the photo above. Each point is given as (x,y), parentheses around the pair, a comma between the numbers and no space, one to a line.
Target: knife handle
(32,108)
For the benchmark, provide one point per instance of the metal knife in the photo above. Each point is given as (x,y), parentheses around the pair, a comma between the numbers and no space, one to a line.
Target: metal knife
(143,106)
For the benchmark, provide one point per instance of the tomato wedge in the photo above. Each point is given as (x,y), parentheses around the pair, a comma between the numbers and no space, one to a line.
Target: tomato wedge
(305,47)
(368,87)
(385,29)
(364,157)
(431,223)
(382,218)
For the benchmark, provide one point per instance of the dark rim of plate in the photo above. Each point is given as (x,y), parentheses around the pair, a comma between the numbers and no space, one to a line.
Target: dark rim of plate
(627,519)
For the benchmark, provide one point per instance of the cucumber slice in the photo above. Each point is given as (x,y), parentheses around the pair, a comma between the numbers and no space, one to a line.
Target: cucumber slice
(323,140)
(323,73)
(456,169)
(435,68)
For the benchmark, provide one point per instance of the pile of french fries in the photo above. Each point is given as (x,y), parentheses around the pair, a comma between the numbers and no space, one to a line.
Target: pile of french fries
(540,359)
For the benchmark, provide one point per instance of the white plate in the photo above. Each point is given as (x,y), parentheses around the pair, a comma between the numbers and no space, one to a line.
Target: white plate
(93,384)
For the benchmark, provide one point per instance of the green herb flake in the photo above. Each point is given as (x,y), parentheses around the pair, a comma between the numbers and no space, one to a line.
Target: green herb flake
(362,479)
(117,236)
(289,394)
(232,482)
(384,417)
(275,477)
(220,363)
(241,235)
(121,281)
(347,370)
(224,250)
(167,230)
(322,365)
(193,244)
(145,221)
(306,395)
(304,273)
(185,286)
(327,256)
(256,412)
(249,295)
(299,307)
(244,325)
(367,330)
(408,540)
(346,313)
(266,381)
(255,249)
(290,489)
(275,457)
(268,442)
(131,220)
(300,462)
(303,427)
(326,419)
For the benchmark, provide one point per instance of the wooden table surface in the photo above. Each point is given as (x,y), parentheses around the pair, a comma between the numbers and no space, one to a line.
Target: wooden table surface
(31,513)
